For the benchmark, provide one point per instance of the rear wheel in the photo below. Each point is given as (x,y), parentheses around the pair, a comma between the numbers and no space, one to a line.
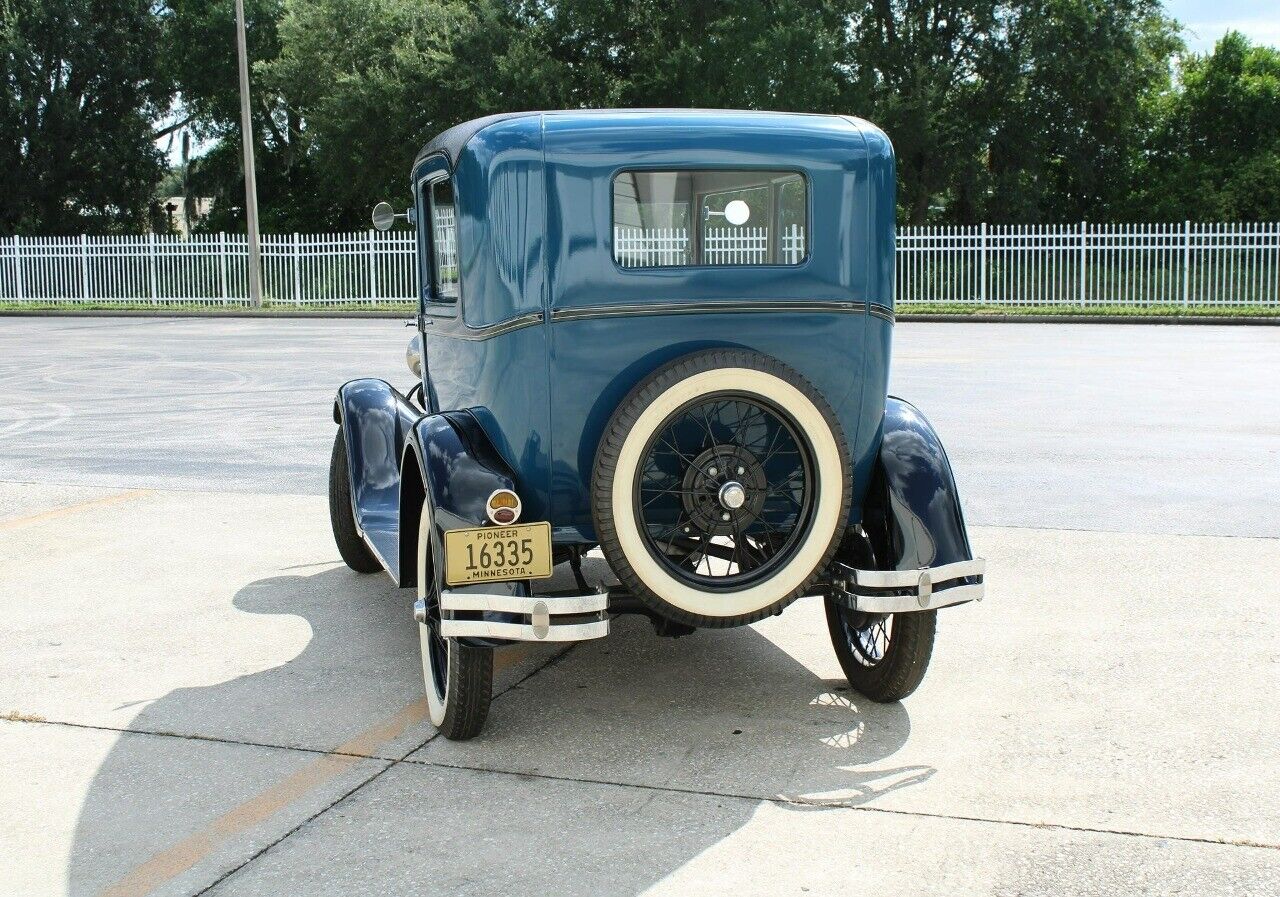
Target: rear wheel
(458,678)
(342,515)
(721,488)
(884,656)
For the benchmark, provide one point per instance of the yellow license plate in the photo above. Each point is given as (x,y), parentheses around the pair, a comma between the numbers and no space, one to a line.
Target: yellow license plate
(496,553)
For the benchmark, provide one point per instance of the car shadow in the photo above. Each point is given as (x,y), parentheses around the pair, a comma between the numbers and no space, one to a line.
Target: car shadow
(721,713)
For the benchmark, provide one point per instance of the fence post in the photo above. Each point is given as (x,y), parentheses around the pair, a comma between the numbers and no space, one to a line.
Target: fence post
(297,274)
(373,269)
(17,267)
(1084,261)
(222,267)
(1186,263)
(84,267)
(982,266)
(151,246)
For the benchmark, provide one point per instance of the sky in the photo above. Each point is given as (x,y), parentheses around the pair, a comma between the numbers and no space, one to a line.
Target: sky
(1207,20)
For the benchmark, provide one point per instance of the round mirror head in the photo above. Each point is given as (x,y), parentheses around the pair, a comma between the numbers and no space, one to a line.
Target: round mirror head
(383,216)
(737,213)
(413,355)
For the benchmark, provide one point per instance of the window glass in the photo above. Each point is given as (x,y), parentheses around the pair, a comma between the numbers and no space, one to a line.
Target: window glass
(444,242)
(712,217)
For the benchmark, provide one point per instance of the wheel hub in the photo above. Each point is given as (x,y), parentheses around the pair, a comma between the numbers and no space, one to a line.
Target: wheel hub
(724,490)
(732,495)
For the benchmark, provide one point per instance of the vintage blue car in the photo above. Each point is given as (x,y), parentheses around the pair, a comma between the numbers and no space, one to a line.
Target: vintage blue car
(664,335)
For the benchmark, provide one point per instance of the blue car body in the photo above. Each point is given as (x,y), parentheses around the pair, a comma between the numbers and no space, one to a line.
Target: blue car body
(549,333)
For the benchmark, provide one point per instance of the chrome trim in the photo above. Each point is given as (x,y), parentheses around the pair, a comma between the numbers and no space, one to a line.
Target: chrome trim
(454,327)
(902,604)
(743,306)
(524,604)
(926,589)
(524,632)
(910,579)
(883,313)
(542,611)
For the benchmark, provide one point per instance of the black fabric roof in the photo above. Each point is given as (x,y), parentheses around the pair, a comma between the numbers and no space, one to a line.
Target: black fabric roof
(452,141)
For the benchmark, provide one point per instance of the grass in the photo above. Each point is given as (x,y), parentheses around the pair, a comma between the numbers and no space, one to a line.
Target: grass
(161,308)
(922,309)
(1118,311)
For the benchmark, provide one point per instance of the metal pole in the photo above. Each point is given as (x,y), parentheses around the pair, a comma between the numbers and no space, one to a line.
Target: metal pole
(250,171)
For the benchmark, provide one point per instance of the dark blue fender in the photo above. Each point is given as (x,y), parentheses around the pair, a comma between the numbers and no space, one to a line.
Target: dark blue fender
(450,462)
(376,421)
(912,512)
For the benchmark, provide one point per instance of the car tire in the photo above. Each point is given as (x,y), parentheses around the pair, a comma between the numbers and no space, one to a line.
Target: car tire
(458,678)
(884,656)
(777,554)
(342,515)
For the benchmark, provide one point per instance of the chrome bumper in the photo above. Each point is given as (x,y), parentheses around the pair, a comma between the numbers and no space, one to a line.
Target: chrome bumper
(544,618)
(904,591)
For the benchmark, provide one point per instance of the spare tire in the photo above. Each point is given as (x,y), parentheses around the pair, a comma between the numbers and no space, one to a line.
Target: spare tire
(721,488)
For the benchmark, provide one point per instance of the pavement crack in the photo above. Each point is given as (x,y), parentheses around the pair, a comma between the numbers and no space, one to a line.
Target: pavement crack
(305,822)
(781,800)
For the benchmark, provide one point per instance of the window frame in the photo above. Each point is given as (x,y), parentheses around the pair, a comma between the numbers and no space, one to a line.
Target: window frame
(737,266)
(430,300)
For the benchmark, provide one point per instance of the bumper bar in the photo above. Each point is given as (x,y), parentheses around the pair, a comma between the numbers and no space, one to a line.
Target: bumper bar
(904,591)
(543,618)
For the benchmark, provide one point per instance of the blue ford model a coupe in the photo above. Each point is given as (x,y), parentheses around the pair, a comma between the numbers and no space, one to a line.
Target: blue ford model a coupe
(665,335)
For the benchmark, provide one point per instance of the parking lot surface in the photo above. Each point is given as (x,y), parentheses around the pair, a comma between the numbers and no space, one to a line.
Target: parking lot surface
(198,697)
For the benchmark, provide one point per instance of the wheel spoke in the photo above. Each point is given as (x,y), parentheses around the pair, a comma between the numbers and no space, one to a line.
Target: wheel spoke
(744,441)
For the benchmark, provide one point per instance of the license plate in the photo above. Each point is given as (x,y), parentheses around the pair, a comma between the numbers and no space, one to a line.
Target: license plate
(496,553)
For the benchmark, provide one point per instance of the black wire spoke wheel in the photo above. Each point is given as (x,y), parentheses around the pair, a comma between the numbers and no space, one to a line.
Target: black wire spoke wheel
(869,636)
(725,491)
(884,656)
(721,488)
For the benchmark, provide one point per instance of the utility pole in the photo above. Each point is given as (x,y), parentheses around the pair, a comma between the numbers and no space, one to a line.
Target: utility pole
(250,172)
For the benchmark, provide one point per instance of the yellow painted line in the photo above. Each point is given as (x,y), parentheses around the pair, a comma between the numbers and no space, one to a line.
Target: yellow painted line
(19,522)
(170,863)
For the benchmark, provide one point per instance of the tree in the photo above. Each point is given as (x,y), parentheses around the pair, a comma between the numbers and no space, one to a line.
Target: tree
(1215,151)
(368,82)
(1083,79)
(748,54)
(926,72)
(82,87)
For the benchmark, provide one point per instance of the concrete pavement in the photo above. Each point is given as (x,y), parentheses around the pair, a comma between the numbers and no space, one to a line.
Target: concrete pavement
(199,698)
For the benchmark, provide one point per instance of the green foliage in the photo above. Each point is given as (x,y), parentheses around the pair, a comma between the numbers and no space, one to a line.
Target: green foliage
(1028,111)
(80,88)
(1215,153)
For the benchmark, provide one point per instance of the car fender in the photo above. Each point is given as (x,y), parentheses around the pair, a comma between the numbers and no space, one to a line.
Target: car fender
(450,468)
(376,420)
(912,513)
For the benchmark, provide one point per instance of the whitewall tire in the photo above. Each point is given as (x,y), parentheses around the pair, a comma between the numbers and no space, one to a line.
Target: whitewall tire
(458,678)
(718,491)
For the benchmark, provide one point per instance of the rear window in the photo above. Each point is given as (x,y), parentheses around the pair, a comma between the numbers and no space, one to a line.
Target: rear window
(664,219)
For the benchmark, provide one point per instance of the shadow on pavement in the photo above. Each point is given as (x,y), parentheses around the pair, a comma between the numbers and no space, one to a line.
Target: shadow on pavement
(716,713)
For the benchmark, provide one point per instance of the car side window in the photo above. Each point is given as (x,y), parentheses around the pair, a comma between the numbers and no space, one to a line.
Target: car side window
(664,219)
(444,242)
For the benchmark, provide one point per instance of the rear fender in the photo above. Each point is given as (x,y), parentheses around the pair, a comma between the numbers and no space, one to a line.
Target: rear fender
(912,513)
(451,469)
(376,421)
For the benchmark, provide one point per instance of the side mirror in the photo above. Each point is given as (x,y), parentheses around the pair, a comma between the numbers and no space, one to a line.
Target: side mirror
(413,355)
(384,217)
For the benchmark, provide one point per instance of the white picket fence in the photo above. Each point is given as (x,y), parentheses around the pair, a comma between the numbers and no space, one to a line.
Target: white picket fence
(1090,265)
(368,269)
(1079,265)
(636,247)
